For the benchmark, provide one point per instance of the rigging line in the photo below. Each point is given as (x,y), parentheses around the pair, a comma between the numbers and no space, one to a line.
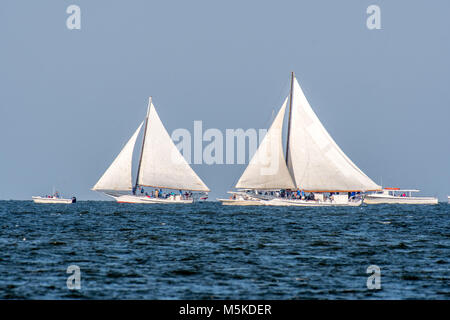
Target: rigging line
(143,143)
(290,114)
(278,102)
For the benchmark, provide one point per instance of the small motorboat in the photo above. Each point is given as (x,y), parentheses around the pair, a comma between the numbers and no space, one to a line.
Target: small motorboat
(397,196)
(242,199)
(54,198)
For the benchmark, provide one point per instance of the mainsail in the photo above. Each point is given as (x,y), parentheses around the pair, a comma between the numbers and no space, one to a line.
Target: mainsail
(315,160)
(118,175)
(267,168)
(162,165)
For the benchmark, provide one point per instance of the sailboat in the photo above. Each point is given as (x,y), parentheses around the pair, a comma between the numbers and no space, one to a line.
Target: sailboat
(313,172)
(161,166)
(54,198)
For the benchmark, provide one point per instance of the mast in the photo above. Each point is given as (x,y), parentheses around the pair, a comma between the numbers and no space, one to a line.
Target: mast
(143,142)
(289,121)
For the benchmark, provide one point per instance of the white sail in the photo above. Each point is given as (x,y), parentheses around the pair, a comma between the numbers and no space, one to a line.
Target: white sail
(315,161)
(267,169)
(118,175)
(162,165)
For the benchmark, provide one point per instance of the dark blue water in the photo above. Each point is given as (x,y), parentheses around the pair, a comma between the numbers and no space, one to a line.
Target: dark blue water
(209,251)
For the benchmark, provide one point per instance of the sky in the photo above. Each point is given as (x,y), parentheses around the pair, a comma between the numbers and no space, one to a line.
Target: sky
(70,99)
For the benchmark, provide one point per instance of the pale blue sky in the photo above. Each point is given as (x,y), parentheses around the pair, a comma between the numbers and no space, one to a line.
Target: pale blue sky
(69,99)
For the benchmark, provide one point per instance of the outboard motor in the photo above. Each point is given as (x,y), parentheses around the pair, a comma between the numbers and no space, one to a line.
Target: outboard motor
(74,199)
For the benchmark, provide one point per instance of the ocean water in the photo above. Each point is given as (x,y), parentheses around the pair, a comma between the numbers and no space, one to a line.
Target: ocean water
(210,251)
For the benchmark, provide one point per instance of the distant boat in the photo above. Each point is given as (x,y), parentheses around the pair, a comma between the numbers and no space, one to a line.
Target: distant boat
(314,164)
(54,198)
(242,199)
(161,166)
(397,196)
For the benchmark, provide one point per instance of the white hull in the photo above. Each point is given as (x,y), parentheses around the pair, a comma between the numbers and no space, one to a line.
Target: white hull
(51,200)
(231,202)
(287,203)
(384,199)
(149,200)
(311,203)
